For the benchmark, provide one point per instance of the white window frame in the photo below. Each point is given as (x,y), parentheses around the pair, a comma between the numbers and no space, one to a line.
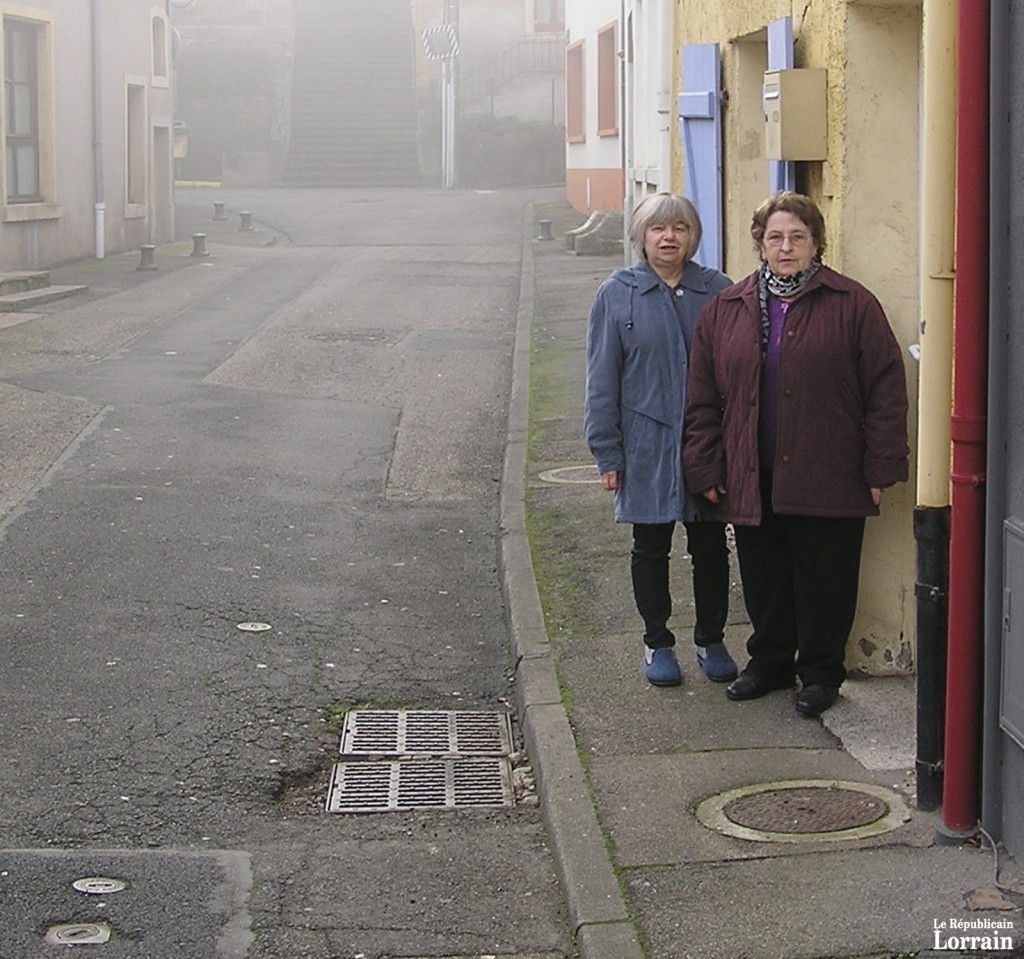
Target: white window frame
(44,206)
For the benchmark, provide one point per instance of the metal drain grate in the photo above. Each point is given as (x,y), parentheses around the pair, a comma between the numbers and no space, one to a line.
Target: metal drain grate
(420,784)
(381,732)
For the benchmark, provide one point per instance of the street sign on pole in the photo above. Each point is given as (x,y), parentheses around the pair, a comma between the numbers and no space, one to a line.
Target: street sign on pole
(442,43)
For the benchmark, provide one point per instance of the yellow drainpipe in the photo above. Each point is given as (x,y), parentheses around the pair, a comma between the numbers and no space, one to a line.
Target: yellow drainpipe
(938,183)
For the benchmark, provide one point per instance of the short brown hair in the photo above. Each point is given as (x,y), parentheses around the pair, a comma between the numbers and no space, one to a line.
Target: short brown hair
(800,206)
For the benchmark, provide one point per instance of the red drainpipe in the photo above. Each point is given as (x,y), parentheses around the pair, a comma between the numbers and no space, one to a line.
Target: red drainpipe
(970,342)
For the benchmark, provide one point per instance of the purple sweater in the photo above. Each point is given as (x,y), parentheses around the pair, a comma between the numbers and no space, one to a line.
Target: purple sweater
(768,420)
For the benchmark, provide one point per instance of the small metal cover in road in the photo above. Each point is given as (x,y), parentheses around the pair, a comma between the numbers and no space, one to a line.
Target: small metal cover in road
(78,934)
(417,784)
(98,885)
(383,732)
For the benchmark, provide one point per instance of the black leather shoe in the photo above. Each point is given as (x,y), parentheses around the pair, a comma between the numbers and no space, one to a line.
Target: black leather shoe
(751,686)
(814,700)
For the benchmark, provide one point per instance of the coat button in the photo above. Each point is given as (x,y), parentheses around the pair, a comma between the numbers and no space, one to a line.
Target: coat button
(785,459)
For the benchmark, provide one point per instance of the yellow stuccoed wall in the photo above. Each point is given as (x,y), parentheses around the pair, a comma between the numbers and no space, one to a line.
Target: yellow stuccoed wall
(868,192)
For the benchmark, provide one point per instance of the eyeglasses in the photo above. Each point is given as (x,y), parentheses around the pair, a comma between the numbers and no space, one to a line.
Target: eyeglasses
(795,239)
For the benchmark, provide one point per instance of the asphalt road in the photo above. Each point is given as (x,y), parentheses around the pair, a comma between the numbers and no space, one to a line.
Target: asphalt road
(309,435)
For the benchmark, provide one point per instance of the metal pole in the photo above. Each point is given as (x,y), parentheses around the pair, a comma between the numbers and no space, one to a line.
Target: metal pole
(931,531)
(969,428)
(446,126)
(451,16)
(1000,311)
(99,206)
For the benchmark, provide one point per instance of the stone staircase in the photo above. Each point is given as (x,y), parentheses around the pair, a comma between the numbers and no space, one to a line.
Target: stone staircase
(30,289)
(353,102)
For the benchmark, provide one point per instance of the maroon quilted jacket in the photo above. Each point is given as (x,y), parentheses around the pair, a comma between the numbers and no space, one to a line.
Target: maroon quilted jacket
(842,402)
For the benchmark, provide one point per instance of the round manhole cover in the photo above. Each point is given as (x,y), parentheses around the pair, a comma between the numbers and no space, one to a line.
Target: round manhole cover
(254,627)
(806,810)
(572,474)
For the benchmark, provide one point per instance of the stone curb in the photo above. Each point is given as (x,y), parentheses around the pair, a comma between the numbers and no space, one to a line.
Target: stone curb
(600,919)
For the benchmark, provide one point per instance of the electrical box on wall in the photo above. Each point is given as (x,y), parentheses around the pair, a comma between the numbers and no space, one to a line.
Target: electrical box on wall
(794,115)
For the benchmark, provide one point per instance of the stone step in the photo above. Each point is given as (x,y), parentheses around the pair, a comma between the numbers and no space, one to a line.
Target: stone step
(29,299)
(19,282)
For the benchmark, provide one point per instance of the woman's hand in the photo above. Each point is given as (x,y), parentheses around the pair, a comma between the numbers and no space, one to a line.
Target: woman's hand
(611,480)
(876,496)
(714,494)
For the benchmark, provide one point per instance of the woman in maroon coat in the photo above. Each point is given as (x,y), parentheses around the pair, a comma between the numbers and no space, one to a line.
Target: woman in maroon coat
(796,421)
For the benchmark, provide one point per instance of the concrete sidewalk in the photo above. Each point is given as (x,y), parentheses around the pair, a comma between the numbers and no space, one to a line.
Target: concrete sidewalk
(820,851)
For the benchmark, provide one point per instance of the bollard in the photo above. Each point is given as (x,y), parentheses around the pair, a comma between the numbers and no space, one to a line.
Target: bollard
(146,258)
(199,245)
(246,224)
(545,230)
(218,210)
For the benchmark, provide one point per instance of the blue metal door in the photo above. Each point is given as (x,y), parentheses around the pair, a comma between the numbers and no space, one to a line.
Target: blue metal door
(700,124)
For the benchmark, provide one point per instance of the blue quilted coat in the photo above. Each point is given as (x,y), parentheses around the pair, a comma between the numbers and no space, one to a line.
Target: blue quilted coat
(637,341)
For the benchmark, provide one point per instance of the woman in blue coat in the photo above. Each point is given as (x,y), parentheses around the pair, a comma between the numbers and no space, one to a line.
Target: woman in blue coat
(638,340)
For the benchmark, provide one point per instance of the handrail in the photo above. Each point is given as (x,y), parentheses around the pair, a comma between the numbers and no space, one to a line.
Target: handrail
(532,53)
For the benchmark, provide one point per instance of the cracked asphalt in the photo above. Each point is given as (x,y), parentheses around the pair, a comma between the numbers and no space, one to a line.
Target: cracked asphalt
(304,429)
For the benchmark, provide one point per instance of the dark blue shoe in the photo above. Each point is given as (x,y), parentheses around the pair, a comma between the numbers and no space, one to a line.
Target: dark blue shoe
(661,667)
(716,662)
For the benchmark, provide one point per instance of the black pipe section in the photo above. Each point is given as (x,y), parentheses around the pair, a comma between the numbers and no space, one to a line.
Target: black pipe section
(931,531)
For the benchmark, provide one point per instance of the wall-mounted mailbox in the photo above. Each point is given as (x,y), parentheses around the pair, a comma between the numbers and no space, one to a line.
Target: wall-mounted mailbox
(794,115)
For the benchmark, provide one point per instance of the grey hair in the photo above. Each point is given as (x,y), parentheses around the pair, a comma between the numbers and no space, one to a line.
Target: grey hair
(658,208)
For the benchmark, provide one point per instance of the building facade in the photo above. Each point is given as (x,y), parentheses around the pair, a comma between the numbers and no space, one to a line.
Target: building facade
(594,143)
(88,129)
(87,164)
(647,87)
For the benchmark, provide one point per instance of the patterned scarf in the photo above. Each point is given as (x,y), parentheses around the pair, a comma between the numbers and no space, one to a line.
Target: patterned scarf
(785,286)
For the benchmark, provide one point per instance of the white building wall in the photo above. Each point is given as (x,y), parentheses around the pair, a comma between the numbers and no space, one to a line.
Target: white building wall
(594,166)
(62,225)
(649,99)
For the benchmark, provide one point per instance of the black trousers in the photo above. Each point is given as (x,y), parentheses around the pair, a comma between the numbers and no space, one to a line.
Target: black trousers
(649,565)
(800,578)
